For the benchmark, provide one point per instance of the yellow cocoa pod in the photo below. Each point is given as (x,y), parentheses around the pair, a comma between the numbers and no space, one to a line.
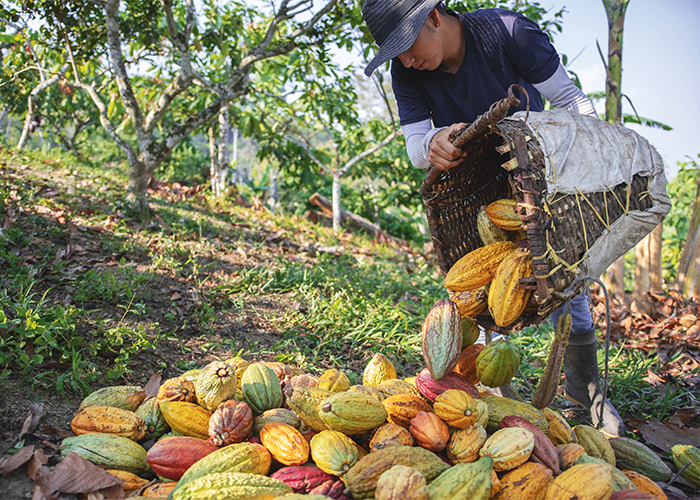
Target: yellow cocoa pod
(397,386)
(352,413)
(456,408)
(595,443)
(645,485)
(388,435)
(401,483)
(560,432)
(684,453)
(569,454)
(333,380)
(216,383)
(177,389)
(369,391)
(304,401)
(126,397)
(189,419)
(509,447)
(465,480)
(470,302)
(239,365)
(379,369)
(285,443)
(401,408)
(478,267)
(109,420)
(464,444)
(334,452)
(507,299)
(231,485)
(488,231)
(530,480)
(502,214)
(159,490)
(582,482)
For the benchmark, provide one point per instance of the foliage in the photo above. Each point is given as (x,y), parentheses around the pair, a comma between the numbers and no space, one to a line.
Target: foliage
(681,190)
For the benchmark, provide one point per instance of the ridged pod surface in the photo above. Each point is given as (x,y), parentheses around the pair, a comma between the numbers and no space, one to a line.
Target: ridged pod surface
(397,386)
(507,299)
(362,478)
(466,364)
(684,453)
(464,444)
(302,478)
(529,481)
(216,383)
(108,451)
(401,408)
(401,483)
(304,401)
(188,419)
(456,408)
(150,412)
(544,451)
(368,390)
(276,415)
(645,484)
(352,413)
(470,302)
(333,490)
(285,443)
(177,389)
(334,452)
(379,369)
(390,434)
(560,432)
(172,456)
(333,380)
(239,365)
(441,338)
(478,267)
(633,455)
(109,420)
(569,454)
(509,448)
(430,388)
(582,482)
(595,443)
(488,231)
(232,422)
(462,481)
(231,485)
(249,458)
(261,388)
(429,431)
(620,481)
(502,214)
(126,397)
(502,407)
(497,363)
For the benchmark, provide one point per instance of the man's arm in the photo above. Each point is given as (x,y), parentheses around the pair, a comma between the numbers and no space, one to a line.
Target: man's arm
(562,93)
(428,146)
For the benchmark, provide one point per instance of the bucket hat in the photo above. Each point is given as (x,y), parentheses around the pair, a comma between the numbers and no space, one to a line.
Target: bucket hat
(395,25)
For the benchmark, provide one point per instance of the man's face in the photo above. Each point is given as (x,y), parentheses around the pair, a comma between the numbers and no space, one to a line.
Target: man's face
(426,51)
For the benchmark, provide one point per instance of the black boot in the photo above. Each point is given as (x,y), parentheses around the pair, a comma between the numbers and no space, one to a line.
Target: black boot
(582,386)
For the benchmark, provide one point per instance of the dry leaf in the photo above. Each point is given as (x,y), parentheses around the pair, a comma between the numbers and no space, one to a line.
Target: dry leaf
(75,475)
(664,435)
(14,462)
(38,460)
(152,386)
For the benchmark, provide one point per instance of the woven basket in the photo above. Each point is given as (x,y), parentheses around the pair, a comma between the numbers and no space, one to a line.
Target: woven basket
(504,159)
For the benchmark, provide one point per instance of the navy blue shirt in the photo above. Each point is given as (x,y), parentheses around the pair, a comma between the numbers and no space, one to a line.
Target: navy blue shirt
(493,60)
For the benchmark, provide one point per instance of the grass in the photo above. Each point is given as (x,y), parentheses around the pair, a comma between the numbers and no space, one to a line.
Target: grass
(209,280)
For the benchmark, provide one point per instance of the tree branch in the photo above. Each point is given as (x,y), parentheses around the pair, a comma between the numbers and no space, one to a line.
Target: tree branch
(394,134)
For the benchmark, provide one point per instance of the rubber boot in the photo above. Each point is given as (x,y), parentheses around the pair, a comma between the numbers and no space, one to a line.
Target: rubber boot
(582,386)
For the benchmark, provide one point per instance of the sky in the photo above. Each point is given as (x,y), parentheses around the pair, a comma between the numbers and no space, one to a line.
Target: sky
(660,66)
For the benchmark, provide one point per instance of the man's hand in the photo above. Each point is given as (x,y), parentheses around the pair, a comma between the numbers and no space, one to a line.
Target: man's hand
(441,153)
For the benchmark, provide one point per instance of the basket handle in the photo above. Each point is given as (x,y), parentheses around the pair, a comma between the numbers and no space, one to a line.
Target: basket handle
(495,113)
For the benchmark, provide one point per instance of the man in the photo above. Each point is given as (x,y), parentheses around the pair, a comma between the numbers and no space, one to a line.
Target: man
(449,68)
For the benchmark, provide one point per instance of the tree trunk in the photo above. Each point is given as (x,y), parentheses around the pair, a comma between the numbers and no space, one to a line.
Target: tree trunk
(647,271)
(223,156)
(336,202)
(274,173)
(688,273)
(138,183)
(615,10)
(212,157)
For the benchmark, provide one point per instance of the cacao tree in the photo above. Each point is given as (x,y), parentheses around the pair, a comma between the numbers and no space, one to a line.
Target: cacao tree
(688,273)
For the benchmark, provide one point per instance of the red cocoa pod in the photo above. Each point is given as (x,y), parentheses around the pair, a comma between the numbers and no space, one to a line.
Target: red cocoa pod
(332,489)
(302,478)
(631,495)
(544,451)
(431,388)
(172,456)
(231,422)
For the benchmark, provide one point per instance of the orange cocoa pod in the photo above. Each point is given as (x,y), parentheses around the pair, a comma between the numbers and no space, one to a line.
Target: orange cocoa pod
(470,302)
(569,454)
(177,389)
(478,267)
(285,443)
(390,434)
(502,213)
(429,431)
(159,490)
(466,364)
(130,481)
(110,420)
(401,408)
(456,408)
(645,485)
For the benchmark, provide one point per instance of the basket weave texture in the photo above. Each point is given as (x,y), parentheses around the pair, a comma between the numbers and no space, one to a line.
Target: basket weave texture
(505,160)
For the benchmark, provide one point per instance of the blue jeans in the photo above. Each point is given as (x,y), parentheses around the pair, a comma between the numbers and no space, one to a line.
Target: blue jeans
(581,319)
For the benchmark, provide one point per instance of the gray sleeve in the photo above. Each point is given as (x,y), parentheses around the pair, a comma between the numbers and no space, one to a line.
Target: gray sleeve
(418,136)
(562,93)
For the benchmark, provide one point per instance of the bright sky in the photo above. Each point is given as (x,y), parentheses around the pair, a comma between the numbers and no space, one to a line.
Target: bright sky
(660,66)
